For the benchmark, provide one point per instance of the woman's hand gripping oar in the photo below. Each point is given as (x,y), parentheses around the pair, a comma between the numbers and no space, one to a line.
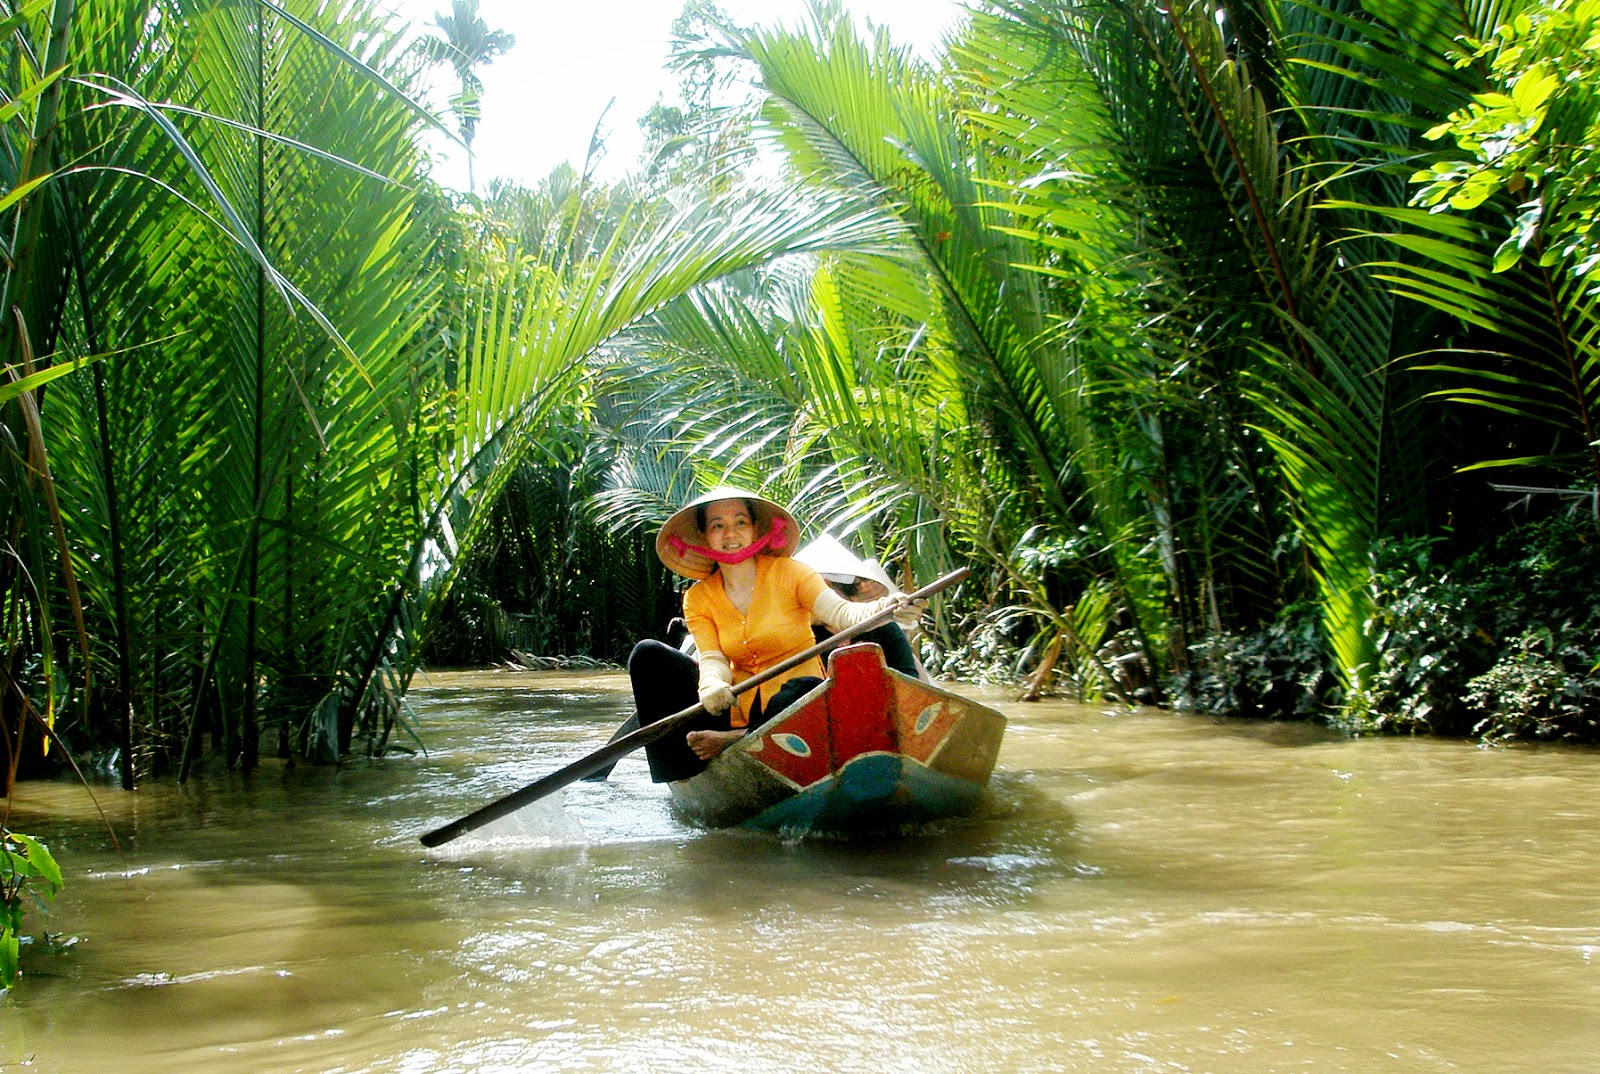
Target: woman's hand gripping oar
(627,743)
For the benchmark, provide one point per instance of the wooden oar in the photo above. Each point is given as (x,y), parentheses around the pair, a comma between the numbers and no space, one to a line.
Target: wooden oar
(601,774)
(619,747)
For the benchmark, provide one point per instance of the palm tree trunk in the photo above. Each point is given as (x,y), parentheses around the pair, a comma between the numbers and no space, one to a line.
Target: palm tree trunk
(122,690)
(248,753)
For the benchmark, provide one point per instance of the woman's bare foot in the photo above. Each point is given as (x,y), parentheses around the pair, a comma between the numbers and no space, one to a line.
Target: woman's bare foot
(707,744)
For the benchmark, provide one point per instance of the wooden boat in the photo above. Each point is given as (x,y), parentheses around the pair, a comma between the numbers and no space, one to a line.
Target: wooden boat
(868,748)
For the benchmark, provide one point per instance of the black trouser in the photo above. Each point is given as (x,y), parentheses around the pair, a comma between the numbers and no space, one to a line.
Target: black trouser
(666,681)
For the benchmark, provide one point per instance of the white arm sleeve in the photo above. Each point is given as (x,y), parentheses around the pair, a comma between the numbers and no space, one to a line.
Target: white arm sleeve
(836,613)
(715,670)
(716,681)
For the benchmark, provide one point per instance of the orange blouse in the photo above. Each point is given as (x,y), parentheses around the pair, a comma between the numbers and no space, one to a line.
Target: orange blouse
(778,626)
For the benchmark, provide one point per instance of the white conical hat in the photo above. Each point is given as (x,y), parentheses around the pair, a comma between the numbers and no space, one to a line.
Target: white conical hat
(830,558)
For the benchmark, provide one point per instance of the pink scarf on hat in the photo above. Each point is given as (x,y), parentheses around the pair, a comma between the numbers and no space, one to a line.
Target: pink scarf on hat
(774,538)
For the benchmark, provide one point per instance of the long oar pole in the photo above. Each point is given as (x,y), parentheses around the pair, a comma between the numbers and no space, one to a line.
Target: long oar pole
(609,753)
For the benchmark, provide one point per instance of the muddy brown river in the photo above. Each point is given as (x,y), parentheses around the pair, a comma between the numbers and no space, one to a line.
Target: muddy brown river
(1141,892)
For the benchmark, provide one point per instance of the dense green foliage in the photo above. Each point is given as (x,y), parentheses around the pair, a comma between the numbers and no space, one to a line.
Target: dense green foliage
(577,589)
(313,371)
(1497,644)
(1166,343)
(1175,339)
(1531,135)
(1501,645)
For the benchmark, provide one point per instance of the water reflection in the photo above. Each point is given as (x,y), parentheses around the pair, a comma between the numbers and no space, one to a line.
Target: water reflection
(1140,892)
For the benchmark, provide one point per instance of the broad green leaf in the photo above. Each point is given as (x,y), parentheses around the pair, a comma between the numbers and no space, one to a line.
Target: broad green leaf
(39,856)
(1477,189)
(1532,89)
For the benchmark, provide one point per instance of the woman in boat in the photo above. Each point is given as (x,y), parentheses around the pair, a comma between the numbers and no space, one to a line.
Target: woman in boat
(751,608)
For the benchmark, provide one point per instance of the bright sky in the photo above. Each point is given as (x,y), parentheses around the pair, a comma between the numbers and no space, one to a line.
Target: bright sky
(542,99)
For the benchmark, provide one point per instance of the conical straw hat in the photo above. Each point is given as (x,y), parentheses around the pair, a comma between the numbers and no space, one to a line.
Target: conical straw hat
(685,525)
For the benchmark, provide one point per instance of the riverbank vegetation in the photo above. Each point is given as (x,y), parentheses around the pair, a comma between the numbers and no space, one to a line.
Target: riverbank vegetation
(1247,349)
